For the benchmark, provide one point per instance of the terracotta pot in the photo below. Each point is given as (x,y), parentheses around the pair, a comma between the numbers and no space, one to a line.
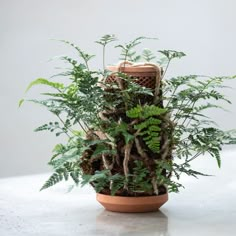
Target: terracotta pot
(145,75)
(132,204)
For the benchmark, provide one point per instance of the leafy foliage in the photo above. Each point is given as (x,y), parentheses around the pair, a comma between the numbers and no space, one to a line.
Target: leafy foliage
(148,55)
(85,56)
(171,54)
(42,81)
(149,127)
(119,140)
(145,111)
(68,170)
(129,53)
(108,38)
(139,180)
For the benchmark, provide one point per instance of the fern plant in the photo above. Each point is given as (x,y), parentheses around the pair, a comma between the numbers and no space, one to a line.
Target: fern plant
(124,138)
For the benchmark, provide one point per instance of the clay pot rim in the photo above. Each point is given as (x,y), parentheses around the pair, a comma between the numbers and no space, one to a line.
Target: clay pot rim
(132,199)
(132,204)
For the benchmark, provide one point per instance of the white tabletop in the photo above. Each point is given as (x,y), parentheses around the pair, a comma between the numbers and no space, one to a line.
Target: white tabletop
(205,207)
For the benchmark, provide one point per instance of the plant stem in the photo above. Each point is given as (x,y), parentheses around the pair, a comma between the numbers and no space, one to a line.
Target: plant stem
(194,157)
(86,125)
(64,126)
(126,161)
(171,96)
(201,91)
(166,69)
(103,56)
(146,159)
(81,126)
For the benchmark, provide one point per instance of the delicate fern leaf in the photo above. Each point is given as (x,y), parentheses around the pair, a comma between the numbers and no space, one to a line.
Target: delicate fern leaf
(86,57)
(163,61)
(122,128)
(51,126)
(60,95)
(85,180)
(21,102)
(139,180)
(73,62)
(54,156)
(148,55)
(135,112)
(208,106)
(100,180)
(153,141)
(151,121)
(136,58)
(42,81)
(59,148)
(128,49)
(70,60)
(66,175)
(60,162)
(145,111)
(152,110)
(118,182)
(41,128)
(74,175)
(108,38)
(214,152)
(171,54)
(185,168)
(229,137)
(103,149)
(54,179)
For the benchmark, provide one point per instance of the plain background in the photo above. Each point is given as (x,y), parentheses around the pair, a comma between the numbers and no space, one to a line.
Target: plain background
(204,29)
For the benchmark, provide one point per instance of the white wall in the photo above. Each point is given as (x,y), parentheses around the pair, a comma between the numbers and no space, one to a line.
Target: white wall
(204,29)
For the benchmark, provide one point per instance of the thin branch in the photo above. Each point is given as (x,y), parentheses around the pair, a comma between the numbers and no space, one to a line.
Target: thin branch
(194,157)
(62,121)
(86,125)
(103,56)
(128,148)
(164,73)
(145,157)
(82,126)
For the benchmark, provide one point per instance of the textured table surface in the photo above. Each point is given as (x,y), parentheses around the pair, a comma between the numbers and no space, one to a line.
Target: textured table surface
(206,206)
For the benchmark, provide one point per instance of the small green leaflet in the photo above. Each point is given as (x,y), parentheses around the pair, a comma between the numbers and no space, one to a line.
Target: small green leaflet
(42,81)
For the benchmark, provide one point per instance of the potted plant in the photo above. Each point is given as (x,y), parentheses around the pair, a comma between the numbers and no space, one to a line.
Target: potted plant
(131,131)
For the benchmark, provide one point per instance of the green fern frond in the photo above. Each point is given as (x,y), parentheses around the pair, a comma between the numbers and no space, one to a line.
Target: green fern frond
(135,112)
(122,128)
(103,149)
(100,180)
(148,55)
(21,102)
(85,56)
(152,139)
(145,111)
(75,176)
(139,181)
(42,81)
(151,121)
(108,38)
(152,111)
(118,182)
(171,54)
(149,129)
(68,169)
(54,179)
